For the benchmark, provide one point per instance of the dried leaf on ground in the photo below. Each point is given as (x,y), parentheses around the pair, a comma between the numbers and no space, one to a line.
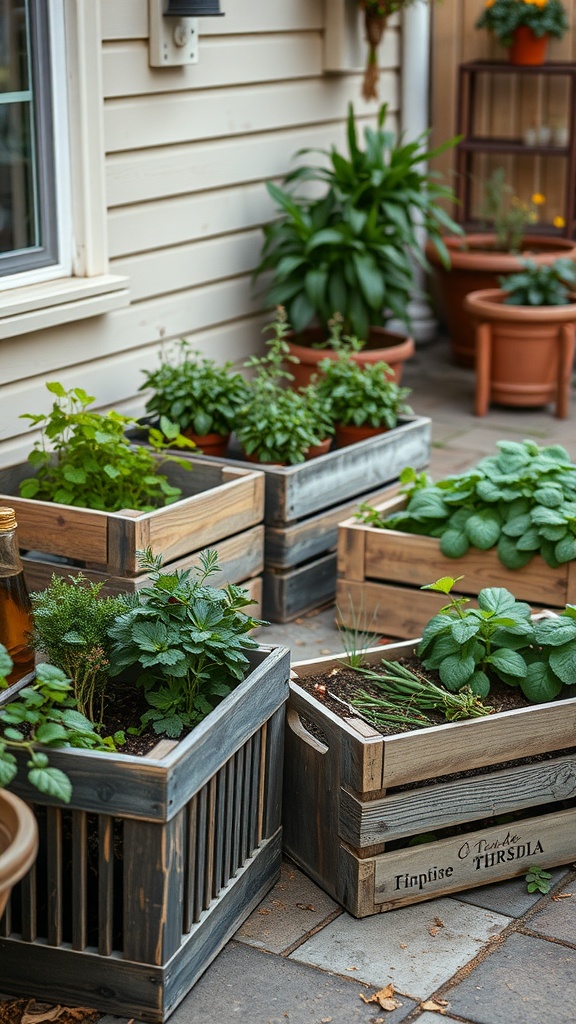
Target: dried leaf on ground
(384,998)
(562,896)
(435,1005)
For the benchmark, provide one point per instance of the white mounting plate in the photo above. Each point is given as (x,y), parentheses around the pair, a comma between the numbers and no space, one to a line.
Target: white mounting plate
(173,41)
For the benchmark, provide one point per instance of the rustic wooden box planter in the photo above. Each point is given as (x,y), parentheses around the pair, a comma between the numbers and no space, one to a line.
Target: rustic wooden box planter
(304,504)
(380,573)
(221,507)
(343,805)
(156,861)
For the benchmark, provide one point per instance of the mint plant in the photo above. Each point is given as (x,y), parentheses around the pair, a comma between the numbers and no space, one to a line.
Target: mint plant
(538,880)
(362,394)
(71,622)
(44,715)
(540,284)
(185,640)
(83,458)
(195,392)
(470,646)
(521,501)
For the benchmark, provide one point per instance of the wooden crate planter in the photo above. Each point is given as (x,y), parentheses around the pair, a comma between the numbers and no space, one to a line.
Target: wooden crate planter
(380,573)
(343,805)
(156,861)
(221,507)
(304,504)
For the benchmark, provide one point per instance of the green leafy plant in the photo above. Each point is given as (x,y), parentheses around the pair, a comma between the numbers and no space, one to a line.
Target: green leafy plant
(469,646)
(44,716)
(352,249)
(538,880)
(71,623)
(521,501)
(186,642)
(83,458)
(539,284)
(508,215)
(362,394)
(195,392)
(277,424)
(503,17)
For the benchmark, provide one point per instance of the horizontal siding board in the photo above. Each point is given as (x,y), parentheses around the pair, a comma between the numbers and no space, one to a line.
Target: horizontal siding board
(223,61)
(137,123)
(129,19)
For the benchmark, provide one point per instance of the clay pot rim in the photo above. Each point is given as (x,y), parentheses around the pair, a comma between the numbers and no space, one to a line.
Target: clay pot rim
(495,261)
(489,303)
(22,830)
(400,348)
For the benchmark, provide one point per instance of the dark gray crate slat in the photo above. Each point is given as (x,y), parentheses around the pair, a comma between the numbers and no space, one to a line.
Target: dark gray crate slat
(79,879)
(54,872)
(289,594)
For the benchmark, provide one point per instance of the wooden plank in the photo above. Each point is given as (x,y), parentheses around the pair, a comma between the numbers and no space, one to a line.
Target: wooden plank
(477,858)
(393,611)
(79,880)
(129,20)
(290,594)
(105,885)
(369,822)
(153,891)
(54,875)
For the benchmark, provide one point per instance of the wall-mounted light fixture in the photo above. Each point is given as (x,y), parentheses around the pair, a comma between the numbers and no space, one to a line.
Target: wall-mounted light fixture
(174,30)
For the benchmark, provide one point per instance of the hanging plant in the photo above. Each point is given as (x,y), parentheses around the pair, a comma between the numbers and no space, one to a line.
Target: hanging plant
(376,14)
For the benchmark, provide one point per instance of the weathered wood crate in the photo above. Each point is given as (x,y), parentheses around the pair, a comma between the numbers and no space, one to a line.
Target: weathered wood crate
(144,877)
(221,507)
(304,504)
(380,573)
(353,799)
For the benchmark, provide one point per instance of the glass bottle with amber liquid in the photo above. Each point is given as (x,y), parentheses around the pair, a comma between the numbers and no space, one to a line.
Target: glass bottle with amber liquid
(15,608)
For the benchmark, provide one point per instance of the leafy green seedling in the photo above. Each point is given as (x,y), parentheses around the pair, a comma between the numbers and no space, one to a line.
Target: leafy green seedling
(538,880)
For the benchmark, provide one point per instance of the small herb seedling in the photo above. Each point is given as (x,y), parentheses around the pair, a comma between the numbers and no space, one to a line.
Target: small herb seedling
(538,880)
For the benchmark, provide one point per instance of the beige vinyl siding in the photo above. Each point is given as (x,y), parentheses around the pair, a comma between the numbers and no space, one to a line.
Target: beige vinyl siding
(506,105)
(187,153)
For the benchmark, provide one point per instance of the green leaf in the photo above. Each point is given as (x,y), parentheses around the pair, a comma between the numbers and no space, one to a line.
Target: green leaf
(51,782)
(56,389)
(483,529)
(563,663)
(540,684)
(455,671)
(51,732)
(510,662)
(454,543)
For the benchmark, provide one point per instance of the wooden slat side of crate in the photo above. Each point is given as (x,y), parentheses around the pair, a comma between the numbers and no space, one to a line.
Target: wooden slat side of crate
(296,591)
(381,572)
(217,502)
(295,492)
(201,836)
(241,557)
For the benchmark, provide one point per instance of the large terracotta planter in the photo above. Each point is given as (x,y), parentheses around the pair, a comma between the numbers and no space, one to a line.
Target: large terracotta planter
(475,264)
(524,354)
(18,843)
(382,346)
(527,49)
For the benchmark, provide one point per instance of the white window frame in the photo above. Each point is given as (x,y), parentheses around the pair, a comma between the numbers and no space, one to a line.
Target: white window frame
(80,286)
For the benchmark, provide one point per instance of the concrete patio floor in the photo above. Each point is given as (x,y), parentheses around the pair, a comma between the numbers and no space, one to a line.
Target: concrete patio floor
(491,955)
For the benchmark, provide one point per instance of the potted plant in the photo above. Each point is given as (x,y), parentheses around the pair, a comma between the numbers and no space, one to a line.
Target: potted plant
(509,517)
(525,337)
(88,496)
(363,399)
(524,26)
(169,842)
(197,394)
(352,248)
(277,424)
(410,784)
(478,259)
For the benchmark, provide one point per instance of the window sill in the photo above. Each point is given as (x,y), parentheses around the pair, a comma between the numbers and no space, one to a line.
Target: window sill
(51,303)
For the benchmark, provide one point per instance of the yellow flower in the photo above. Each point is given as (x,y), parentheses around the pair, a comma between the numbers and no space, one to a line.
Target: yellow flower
(488,3)
(538,199)
(559,222)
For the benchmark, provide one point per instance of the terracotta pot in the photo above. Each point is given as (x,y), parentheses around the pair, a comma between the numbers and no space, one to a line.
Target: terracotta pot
(211,444)
(524,354)
(348,433)
(316,450)
(254,458)
(474,266)
(382,346)
(18,843)
(527,49)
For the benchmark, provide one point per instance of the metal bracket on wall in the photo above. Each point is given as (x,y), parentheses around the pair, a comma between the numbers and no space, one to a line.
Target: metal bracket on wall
(173,40)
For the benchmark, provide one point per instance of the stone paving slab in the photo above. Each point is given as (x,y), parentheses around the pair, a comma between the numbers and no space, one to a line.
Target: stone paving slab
(253,987)
(525,981)
(558,919)
(293,908)
(418,948)
(511,897)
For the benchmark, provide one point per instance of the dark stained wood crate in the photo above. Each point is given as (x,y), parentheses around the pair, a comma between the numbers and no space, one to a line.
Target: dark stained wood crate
(380,573)
(304,504)
(156,862)
(221,507)
(354,798)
